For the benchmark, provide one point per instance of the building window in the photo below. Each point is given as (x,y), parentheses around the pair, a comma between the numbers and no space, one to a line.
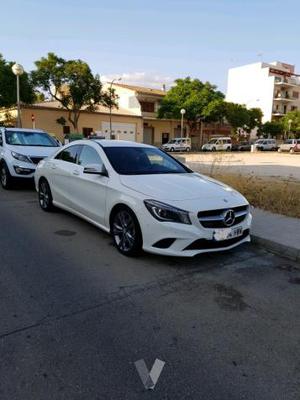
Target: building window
(147,106)
(87,131)
(294,108)
(66,130)
(296,95)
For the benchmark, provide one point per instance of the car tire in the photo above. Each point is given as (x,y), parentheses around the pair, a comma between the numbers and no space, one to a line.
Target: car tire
(213,149)
(126,232)
(228,149)
(5,177)
(292,150)
(188,149)
(172,149)
(45,196)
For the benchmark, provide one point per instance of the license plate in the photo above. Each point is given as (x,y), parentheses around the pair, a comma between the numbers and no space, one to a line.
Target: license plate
(227,233)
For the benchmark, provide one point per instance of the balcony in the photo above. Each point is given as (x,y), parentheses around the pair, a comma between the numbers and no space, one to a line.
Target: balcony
(283,97)
(287,82)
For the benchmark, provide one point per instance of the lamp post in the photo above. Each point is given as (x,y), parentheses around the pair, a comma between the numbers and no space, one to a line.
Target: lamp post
(290,121)
(182,112)
(110,105)
(18,70)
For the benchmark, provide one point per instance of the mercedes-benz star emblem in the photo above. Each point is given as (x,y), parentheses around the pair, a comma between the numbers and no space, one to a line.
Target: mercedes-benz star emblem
(229,218)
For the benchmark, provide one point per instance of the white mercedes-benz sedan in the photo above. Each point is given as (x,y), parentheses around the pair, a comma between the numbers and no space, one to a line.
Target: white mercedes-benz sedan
(144,198)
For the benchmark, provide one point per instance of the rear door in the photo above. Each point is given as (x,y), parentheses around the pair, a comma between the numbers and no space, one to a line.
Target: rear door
(61,170)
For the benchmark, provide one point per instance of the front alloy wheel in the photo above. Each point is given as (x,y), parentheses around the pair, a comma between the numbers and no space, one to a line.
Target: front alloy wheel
(126,232)
(5,177)
(45,196)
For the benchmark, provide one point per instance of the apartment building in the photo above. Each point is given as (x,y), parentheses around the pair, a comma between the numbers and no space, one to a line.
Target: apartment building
(273,87)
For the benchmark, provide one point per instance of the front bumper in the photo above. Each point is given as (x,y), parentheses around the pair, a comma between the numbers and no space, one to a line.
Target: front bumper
(187,240)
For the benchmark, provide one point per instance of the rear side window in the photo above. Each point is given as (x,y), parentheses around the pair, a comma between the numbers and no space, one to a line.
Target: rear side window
(70,154)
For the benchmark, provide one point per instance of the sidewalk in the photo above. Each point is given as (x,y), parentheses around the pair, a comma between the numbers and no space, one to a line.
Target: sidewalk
(277,233)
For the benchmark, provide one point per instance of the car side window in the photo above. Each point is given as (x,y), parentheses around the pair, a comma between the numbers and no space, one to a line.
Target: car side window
(70,154)
(1,139)
(89,156)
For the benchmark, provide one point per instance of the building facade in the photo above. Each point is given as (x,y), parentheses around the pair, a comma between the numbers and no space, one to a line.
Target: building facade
(134,119)
(272,87)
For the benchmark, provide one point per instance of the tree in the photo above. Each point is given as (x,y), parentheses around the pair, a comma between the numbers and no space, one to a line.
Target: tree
(291,122)
(8,85)
(200,100)
(240,118)
(72,84)
(272,129)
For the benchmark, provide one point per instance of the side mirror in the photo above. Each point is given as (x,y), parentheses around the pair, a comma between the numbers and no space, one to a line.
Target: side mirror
(95,169)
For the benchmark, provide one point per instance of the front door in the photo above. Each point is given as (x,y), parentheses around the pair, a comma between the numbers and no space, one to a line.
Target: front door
(89,191)
(148,135)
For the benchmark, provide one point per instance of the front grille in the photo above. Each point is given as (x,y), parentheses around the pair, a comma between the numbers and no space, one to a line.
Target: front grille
(205,244)
(215,218)
(36,160)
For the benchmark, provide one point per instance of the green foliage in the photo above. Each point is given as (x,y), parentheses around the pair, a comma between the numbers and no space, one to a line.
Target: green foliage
(294,117)
(75,136)
(239,117)
(200,100)
(8,85)
(72,84)
(61,121)
(272,129)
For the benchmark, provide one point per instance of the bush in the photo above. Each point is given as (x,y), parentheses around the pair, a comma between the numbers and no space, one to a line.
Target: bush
(75,136)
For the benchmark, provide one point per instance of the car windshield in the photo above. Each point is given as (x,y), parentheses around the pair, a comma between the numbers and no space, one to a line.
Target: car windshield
(172,141)
(289,141)
(29,138)
(143,161)
(212,141)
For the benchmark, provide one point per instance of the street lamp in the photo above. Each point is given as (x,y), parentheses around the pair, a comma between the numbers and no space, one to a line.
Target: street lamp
(182,112)
(18,70)
(290,124)
(110,105)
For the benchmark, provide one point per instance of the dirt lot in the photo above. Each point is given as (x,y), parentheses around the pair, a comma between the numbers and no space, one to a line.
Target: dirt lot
(264,164)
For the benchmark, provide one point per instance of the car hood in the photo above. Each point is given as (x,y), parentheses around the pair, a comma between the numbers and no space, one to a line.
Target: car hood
(34,151)
(182,187)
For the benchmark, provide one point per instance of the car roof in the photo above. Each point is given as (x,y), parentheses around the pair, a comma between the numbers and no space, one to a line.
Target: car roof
(119,143)
(23,130)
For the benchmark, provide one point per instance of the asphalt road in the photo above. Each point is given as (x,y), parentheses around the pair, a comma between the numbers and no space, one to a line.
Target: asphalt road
(76,315)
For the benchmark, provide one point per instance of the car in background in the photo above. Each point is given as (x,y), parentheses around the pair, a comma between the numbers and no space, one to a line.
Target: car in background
(144,198)
(242,146)
(20,152)
(289,145)
(177,144)
(266,145)
(218,144)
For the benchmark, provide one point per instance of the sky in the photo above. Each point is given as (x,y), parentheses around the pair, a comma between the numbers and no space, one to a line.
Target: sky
(153,42)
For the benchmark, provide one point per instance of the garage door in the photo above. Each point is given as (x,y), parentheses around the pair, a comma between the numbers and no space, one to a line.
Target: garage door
(122,131)
(148,135)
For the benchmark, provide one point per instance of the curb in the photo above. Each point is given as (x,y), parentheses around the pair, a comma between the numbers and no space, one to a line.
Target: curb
(278,248)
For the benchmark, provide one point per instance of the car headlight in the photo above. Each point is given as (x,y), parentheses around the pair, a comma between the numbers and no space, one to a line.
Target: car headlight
(165,213)
(20,157)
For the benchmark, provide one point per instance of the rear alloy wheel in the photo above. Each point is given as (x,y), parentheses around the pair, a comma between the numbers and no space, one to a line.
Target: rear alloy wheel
(213,149)
(45,196)
(5,177)
(188,149)
(172,149)
(292,150)
(126,232)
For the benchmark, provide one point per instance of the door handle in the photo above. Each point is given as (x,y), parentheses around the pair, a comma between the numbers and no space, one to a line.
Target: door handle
(76,172)
(53,166)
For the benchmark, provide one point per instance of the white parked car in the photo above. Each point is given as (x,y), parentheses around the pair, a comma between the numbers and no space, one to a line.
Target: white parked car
(289,145)
(20,151)
(218,144)
(177,144)
(144,197)
(266,145)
